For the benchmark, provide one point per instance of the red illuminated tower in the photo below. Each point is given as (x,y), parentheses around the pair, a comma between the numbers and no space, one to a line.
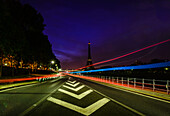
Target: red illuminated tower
(89,61)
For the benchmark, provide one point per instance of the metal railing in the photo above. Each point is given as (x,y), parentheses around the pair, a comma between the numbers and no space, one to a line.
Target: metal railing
(154,85)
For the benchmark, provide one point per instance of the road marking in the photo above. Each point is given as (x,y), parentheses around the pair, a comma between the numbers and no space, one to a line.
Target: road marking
(74,89)
(123,105)
(140,94)
(72,82)
(73,85)
(86,111)
(18,87)
(39,102)
(82,95)
(55,80)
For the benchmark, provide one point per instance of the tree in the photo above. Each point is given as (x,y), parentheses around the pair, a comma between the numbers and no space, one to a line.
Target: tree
(21,34)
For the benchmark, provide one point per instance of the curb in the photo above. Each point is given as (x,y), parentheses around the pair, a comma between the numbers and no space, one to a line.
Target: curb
(13,85)
(117,86)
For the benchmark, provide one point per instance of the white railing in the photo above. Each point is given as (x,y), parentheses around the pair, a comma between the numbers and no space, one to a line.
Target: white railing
(155,85)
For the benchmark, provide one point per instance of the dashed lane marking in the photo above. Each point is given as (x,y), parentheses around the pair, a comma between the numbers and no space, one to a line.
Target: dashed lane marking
(73,85)
(74,89)
(82,95)
(86,111)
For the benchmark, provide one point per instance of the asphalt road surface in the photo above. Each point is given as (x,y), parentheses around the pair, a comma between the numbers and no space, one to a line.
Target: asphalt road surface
(71,96)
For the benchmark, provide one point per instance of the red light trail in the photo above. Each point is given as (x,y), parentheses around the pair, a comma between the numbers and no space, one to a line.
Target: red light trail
(126,54)
(26,79)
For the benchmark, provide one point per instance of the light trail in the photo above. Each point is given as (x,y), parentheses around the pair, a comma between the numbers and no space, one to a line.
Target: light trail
(126,54)
(27,79)
(147,66)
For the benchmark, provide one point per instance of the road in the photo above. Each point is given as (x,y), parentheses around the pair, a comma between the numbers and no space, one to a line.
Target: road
(16,100)
(71,96)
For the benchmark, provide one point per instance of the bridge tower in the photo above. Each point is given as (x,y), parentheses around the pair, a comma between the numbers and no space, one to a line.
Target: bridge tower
(89,61)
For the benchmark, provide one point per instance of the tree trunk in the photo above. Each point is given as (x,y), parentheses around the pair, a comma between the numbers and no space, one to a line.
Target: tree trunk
(12,67)
(1,64)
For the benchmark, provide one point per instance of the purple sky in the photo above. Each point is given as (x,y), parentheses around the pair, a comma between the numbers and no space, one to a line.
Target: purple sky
(114,28)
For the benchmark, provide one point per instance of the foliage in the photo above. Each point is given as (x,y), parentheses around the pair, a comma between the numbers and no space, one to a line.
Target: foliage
(21,34)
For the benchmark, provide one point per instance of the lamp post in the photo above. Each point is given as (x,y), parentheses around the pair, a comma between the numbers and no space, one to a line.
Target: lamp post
(52,62)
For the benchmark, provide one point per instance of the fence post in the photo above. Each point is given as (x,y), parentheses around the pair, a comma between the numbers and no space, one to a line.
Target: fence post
(143,83)
(153,84)
(122,80)
(134,82)
(117,79)
(128,81)
(167,86)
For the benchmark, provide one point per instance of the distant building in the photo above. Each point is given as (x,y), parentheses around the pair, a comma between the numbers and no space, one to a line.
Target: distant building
(89,61)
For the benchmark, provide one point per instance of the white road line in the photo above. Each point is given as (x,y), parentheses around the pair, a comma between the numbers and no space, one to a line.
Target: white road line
(121,104)
(19,87)
(72,82)
(140,94)
(73,85)
(82,95)
(74,89)
(86,111)
(39,102)
(55,80)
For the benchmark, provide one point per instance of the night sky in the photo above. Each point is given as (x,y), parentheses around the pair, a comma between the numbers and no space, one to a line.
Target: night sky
(114,28)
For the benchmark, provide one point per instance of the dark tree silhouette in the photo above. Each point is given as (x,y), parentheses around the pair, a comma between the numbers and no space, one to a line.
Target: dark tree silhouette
(21,34)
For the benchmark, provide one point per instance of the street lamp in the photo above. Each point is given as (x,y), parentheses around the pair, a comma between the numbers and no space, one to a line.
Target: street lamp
(52,62)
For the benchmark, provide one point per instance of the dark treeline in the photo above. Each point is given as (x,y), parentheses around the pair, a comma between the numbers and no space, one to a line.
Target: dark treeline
(21,34)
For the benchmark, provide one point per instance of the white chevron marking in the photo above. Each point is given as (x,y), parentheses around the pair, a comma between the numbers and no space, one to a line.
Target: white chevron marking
(86,111)
(75,95)
(73,85)
(72,82)
(74,89)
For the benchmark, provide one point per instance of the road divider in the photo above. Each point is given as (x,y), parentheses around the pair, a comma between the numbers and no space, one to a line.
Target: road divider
(73,85)
(80,96)
(86,111)
(72,82)
(74,89)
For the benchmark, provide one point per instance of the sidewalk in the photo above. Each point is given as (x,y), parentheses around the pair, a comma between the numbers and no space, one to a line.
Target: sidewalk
(148,92)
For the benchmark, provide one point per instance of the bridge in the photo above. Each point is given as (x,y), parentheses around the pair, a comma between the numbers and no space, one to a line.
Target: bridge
(95,92)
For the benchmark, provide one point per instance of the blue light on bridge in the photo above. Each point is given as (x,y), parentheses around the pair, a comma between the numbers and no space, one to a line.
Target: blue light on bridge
(147,66)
